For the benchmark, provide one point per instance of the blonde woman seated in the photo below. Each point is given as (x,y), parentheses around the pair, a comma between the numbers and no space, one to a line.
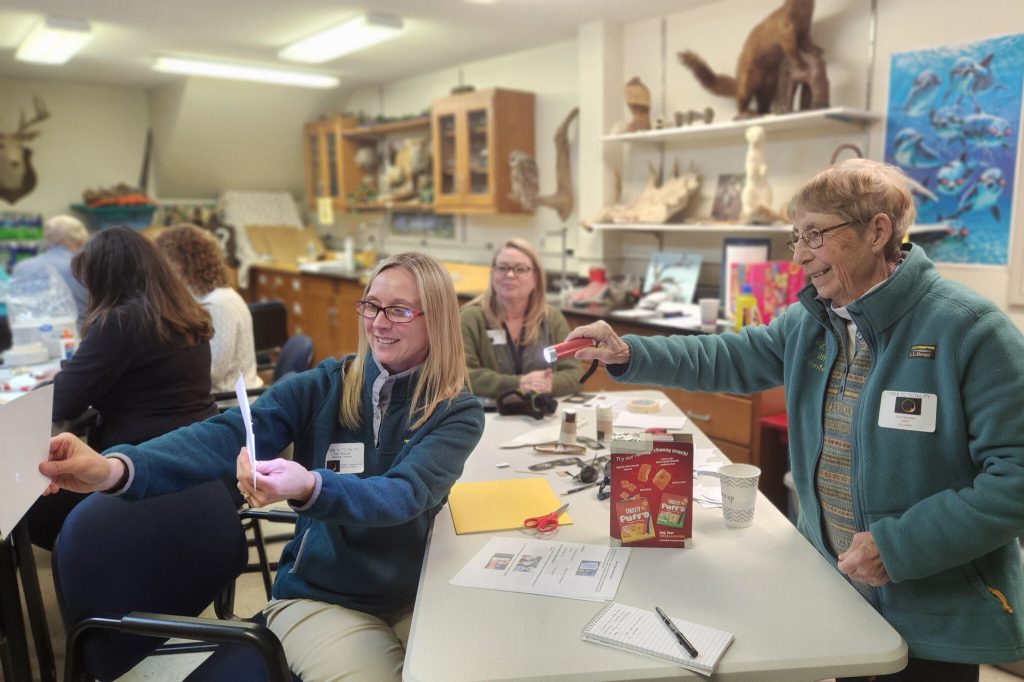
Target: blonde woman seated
(196,255)
(506,329)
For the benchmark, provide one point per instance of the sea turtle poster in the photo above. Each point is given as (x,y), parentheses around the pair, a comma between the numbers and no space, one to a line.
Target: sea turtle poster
(954,126)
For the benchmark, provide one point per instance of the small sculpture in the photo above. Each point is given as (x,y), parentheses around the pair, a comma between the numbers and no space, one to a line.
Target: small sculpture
(366,160)
(525,181)
(756,198)
(409,169)
(783,36)
(655,204)
(638,99)
(691,116)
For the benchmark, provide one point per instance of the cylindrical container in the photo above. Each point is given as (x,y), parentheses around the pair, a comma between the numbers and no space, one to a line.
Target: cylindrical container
(746,308)
(604,423)
(568,433)
(739,493)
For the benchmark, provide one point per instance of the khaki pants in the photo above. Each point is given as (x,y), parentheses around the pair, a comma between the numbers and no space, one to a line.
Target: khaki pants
(326,642)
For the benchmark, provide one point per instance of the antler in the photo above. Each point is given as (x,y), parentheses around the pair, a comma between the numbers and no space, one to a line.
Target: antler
(41,115)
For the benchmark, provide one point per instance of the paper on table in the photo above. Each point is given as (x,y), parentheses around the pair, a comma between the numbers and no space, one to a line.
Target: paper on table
(250,440)
(491,506)
(633,420)
(548,567)
(25,423)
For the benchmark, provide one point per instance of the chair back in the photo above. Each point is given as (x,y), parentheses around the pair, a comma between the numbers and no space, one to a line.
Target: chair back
(269,325)
(170,554)
(296,356)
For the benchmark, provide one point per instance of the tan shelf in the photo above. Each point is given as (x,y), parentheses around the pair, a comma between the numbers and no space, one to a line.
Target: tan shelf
(374,132)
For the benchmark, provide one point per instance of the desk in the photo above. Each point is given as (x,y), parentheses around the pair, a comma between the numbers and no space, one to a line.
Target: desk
(794,617)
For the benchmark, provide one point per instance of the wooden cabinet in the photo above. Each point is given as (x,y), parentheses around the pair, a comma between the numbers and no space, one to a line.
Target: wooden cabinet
(331,321)
(320,306)
(329,172)
(363,191)
(473,134)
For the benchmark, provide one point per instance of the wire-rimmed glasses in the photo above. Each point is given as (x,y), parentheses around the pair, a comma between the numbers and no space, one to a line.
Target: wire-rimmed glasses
(813,237)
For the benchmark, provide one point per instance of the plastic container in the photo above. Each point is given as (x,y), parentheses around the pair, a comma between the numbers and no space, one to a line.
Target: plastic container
(137,217)
(746,308)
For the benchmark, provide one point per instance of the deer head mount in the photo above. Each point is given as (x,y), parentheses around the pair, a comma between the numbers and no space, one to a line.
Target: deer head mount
(17,176)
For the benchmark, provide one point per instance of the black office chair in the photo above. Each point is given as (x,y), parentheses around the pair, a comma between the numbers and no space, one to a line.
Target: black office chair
(130,575)
(296,356)
(269,330)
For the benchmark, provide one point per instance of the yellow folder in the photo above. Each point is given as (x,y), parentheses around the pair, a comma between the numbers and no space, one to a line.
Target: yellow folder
(490,506)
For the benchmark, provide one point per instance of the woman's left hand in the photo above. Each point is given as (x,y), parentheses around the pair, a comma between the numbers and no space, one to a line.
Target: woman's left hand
(862,562)
(276,480)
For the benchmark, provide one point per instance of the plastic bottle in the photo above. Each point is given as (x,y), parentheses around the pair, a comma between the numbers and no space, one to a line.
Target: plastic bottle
(746,308)
(67,344)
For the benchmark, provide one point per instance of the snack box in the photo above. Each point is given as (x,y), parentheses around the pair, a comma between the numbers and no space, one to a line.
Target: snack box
(651,489)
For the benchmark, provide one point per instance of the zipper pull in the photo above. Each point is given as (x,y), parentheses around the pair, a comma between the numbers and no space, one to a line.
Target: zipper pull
(1001,597)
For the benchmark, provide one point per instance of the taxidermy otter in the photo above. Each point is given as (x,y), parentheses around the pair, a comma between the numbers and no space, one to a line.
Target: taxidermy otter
(784,35)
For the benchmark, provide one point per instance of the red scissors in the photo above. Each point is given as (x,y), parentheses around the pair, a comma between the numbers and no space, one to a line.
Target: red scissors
(547,523)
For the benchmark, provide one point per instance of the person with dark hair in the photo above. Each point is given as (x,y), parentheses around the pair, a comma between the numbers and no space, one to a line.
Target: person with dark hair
(380,436)
(144,360)
(195,253)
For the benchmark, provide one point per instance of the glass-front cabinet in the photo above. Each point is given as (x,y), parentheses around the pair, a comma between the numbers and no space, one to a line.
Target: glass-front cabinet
(473,135)
(325,168)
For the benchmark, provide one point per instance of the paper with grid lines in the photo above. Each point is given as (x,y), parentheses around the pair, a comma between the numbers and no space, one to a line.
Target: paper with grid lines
(643,632)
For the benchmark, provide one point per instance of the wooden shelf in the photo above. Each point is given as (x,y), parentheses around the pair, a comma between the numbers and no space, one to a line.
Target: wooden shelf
(836,120)
(402,207)
(374,132)
(711,228)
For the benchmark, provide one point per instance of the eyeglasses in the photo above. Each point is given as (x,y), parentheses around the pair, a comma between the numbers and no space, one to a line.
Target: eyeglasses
(396,313)
(518,270)
(814,238)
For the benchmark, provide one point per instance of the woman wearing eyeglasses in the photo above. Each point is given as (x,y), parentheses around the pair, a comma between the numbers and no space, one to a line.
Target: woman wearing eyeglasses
(379,437)
(506,329)
(906,434)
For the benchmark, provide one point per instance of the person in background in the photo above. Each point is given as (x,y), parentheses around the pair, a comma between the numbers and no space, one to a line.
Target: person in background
(906,437)
(143,363)
(196,255)
(380,438)
(507,327)
(63,237)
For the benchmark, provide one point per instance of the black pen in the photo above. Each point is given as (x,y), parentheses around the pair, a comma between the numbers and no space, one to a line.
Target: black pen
(675,631)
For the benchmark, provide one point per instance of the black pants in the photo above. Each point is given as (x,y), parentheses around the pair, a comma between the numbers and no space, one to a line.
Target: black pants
(922,670)
(47,515)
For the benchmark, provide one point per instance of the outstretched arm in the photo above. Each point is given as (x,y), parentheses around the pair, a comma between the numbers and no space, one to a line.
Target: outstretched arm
(610,349)
(75,466)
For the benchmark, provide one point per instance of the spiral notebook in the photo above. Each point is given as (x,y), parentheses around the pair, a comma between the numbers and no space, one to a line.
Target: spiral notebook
(643,632)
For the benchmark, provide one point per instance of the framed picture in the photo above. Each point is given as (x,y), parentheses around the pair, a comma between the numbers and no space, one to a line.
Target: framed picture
(726,206)
(739,252)
(674,272)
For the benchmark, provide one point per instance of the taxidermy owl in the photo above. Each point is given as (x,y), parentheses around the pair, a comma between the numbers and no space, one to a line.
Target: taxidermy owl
(524,180)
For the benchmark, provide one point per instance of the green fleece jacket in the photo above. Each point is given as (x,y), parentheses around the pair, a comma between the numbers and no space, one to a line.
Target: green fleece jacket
(490,365)
(945,506)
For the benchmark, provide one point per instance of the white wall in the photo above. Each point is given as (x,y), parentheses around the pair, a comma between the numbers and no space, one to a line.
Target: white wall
(551,74)
(94,138)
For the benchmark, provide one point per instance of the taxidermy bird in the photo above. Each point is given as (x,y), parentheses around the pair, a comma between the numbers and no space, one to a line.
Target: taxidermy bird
(525,178)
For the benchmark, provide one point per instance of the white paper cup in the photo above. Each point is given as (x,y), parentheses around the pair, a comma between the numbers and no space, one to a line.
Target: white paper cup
(739,493)
(709,313)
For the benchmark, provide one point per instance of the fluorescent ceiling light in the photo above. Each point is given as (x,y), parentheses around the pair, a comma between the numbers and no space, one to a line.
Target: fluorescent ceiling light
(54,41)
(197,67)
(355,34)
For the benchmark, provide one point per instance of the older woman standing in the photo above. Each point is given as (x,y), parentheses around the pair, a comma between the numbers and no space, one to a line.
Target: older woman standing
(906,434)
(196,255)
(506,329)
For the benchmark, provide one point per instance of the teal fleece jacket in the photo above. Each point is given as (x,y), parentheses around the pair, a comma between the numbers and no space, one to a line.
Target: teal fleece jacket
(359,540)
(945,507)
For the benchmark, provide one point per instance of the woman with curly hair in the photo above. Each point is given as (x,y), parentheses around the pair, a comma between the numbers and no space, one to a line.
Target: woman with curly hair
(196,255)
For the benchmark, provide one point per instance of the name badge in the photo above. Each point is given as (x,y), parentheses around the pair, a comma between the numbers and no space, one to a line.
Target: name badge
(345,458)
(497,337)
(908,411)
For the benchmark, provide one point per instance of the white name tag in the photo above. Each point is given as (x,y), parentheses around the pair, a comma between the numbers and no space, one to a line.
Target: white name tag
(908,411)
(497,337)
(345,458)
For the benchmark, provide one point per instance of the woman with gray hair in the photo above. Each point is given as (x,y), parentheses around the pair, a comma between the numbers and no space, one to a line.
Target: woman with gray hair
(63,236)
(906,437)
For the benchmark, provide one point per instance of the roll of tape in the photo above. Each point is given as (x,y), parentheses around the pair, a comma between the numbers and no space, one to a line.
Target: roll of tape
(643,406)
